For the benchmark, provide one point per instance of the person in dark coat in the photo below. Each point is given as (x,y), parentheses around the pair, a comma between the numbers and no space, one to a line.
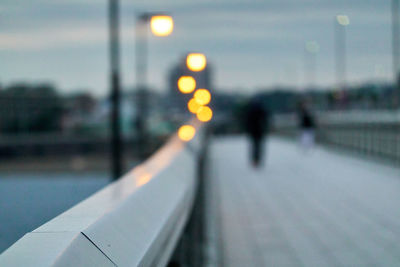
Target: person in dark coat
(257,124)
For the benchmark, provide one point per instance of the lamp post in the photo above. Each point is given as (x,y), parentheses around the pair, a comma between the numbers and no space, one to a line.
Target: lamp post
(141,50)
(341,21)
(311,50)
(396,48)
(116,147)
(161,25)
(196,62)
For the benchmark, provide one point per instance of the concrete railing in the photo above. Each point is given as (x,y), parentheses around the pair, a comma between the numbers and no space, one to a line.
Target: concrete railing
(135,221)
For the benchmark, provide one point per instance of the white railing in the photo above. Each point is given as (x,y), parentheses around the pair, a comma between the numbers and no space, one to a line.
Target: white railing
(340,117)
(372,133)
(135,221)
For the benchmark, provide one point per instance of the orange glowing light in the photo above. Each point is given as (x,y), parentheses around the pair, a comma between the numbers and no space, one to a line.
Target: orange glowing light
(204,114)
(193,106)
(196,62)
(143,176)
(143,179)
(186,84)
(161,25)
(202,96)
(186,132)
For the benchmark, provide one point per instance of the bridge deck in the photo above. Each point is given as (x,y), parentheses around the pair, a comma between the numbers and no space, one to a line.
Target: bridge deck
(319,209)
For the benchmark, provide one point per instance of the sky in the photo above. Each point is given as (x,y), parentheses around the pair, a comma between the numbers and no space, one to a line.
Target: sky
(252,45)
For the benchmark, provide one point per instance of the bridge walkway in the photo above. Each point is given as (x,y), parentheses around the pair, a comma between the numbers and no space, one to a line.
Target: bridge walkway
(318,209)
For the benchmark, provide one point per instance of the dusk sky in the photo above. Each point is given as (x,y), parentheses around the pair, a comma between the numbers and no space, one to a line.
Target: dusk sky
(251,44)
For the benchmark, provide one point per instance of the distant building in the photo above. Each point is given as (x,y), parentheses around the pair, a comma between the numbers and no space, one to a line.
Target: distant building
(79,109)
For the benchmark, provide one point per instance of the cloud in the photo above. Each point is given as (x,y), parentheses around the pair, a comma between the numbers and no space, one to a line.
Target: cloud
(58,37)
(245,38)
(53,38)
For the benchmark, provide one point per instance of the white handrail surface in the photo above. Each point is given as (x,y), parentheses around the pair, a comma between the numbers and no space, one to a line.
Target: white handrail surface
(135,221)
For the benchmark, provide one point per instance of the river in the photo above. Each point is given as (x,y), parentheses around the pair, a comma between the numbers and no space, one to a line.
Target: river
(27,200)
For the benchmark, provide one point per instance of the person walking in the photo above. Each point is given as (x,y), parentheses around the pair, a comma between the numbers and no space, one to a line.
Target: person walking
(257,124)
(307,128)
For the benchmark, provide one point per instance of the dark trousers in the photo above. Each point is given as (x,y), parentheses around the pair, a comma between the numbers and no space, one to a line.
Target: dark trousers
(256,149)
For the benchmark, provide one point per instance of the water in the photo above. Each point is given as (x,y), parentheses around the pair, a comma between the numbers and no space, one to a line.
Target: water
(28,200)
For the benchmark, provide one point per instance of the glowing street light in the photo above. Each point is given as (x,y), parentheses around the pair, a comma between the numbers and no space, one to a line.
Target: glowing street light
(161,25)
(202,96)
(196,61)
(186,84)
(193,106)
(204,114)
(186,132)
(343,20)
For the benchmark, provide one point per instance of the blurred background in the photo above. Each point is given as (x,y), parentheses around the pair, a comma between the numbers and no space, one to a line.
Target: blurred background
(340,57)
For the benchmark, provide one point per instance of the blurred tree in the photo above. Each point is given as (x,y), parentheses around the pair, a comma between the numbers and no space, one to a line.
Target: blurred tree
(30,108)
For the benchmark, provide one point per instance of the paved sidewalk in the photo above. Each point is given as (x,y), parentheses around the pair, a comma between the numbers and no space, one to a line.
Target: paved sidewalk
(318,209)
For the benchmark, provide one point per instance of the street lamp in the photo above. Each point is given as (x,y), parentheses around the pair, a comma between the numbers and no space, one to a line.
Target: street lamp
(341,21)
(396,48)
(311,50)
(186,84)
(193,106)
(202,96)
(196,62)
(116,146)
(204,114)
(186,132)
(160,25)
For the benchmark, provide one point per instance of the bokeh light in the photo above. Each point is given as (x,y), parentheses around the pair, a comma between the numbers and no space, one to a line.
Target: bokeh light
(186,84)
(193,106)
(186,132)
(161,25)
(202,96)
(196,61)
(204,114)
(343,20)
